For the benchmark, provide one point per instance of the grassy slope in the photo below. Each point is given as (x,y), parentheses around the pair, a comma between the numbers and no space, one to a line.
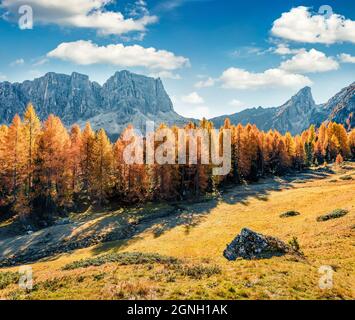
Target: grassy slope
(323,243)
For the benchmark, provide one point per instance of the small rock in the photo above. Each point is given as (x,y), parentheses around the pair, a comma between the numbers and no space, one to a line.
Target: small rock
(63,221)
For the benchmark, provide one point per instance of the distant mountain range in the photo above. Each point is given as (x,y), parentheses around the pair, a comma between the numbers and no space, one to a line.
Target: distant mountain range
(128,98)
(298,113)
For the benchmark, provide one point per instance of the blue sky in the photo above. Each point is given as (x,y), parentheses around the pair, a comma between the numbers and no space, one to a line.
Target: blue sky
(215,57)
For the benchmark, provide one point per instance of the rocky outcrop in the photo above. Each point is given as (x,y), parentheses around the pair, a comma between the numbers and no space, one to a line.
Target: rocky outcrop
(251,245)
(341,108)
(125,98)
(296,114)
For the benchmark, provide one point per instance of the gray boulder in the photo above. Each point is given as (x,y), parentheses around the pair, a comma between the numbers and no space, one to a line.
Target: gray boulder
(251,245)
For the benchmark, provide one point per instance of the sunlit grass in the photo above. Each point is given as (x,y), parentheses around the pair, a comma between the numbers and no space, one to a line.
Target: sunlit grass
(205,273)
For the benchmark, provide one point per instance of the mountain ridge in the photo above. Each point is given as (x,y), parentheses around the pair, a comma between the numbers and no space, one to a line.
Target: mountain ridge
(129,98)
(299,112)
(123,99)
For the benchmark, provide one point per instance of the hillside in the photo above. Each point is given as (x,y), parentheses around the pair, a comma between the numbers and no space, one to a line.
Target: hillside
(197,234)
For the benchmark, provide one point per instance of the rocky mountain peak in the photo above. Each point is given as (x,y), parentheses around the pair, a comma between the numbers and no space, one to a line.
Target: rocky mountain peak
(301,103)
(302,99)
(124,98)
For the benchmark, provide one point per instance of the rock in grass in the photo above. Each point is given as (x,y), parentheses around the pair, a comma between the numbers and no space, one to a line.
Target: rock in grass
(251,245)
(289,214)
(337,213)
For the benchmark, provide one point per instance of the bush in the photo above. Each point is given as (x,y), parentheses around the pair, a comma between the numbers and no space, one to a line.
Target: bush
(337,213)
(289,214)
(7,278)
(293,243)
(299,181)
(199,271)
(347,177)
(125,258)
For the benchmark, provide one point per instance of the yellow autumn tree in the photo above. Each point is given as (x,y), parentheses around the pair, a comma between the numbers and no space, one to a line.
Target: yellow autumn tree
(351,143)
(102,167)
(14,157)
(32,129)
(86,159)
(52,169)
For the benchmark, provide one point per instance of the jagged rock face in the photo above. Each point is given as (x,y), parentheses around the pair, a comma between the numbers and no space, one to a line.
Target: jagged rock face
(341,108)
(251,245)
(124,98)
(126,91)
(299,113)
(293,116)
(296,114)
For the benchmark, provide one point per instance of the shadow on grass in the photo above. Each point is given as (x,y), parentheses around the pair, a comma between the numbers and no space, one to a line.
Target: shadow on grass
(118,229)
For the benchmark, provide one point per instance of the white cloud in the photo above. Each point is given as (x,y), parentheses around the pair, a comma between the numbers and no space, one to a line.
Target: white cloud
(309,62)
(138,9)
(17,62)
(2,77)
(191,110)
(40,62)
(247,51)
(234,78)
(300,25)
(209,82)
(165,75)
(81,14)
(283,49)
(347,58)
(192,98)
(86,53)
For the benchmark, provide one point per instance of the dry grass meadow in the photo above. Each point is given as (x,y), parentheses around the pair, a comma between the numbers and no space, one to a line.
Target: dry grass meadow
(203,273)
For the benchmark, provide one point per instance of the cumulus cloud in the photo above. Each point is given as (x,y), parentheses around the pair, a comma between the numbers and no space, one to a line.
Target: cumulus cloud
(347,58)
(191,106)
(300,25)
(2,77)
(89,14)
(235,78)
(192,98)
(209,82)
(87,53)
(309,62)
